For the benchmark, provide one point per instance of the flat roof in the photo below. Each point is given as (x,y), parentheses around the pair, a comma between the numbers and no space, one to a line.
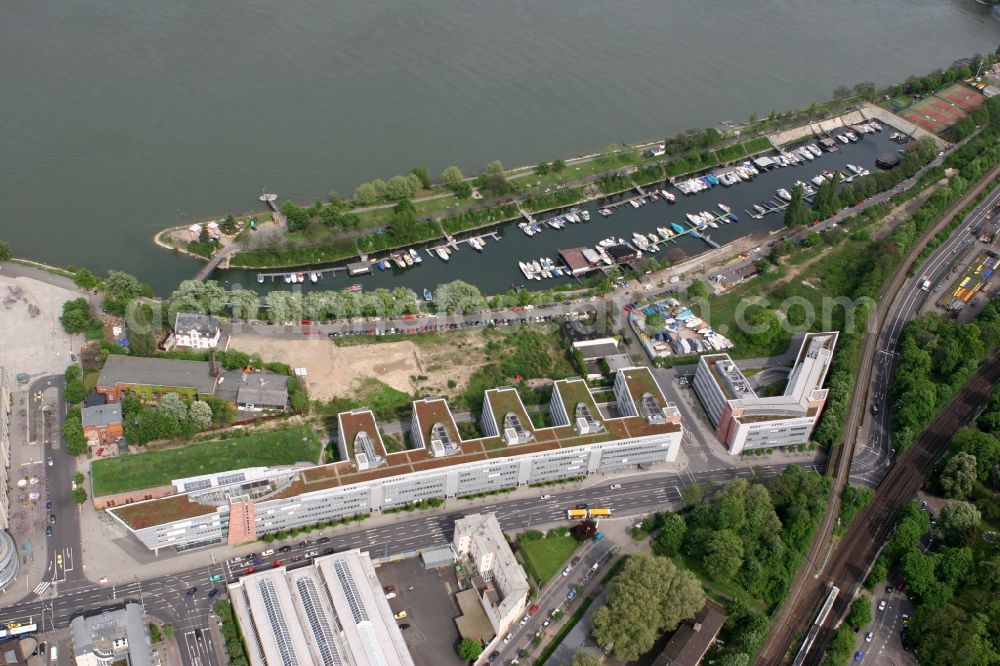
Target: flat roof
(398,464)
(435,410)
(165,372)
(641,381)
(505,401)
(101,415)
(331,612)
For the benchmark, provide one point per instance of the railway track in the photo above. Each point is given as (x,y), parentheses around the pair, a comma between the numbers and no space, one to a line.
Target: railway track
(796,612)
(875,523)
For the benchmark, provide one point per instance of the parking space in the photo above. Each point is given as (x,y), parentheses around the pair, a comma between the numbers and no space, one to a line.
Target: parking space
(29,315)
(885,639)
(428,598)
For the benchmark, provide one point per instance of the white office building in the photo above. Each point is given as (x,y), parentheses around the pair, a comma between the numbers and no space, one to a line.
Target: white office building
(479,539)
(332,613)
(745,421)
(640,428)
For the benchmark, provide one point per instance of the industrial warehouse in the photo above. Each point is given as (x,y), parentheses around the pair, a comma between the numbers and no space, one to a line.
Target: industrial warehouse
(638,428)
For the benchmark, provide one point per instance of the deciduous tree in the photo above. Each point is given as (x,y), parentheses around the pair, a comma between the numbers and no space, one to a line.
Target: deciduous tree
(959,475)
(723,554)
(469,649)
(452,176)
(649,596)
(957,521)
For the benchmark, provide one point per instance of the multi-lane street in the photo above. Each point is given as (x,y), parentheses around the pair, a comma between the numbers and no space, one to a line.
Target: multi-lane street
(166,596)
(872,459)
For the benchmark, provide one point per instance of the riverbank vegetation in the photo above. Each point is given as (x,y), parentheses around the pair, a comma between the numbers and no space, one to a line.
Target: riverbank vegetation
(447,200)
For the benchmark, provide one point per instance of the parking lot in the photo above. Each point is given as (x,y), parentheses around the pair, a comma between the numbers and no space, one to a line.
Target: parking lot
(29,320)
(430,609)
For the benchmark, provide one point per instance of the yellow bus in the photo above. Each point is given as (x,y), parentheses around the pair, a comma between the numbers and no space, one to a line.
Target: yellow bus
(600,513)
(575,514)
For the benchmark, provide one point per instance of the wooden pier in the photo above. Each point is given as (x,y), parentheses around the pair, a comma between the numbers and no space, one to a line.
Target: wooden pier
(452,243)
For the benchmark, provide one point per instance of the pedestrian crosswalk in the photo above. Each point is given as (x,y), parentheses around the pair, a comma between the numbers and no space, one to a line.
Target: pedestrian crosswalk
(42,587)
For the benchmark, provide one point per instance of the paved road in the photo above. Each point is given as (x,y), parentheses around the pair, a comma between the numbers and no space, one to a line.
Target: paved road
(165,596)
(801,599)
(872,460)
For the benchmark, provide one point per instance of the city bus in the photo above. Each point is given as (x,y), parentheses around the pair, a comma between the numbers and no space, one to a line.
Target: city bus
(15,629)
(600,513)
(576,514)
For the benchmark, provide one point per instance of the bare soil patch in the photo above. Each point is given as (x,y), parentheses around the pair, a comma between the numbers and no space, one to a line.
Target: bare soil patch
(426,364)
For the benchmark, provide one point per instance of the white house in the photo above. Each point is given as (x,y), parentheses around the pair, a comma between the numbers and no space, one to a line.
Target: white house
(195,330)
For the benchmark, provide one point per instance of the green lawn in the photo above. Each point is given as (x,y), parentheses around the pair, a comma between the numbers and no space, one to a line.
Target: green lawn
(159,468)
(544,558)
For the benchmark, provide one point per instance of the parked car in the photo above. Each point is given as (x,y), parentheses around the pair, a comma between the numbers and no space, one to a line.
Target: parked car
(869,636)
(50,461)
(575,561)
(545,497)
(400,615)
(567,570)
(249,570)
(882,605)
(323,540)
(268,552)
(285,549)
(532,610)
(859,655)
(297,558)
(52,519)
(312,553)
(277,563)
(616,486)
(328,551)
(404,626)
(598,537)
(48,530)
(390,595)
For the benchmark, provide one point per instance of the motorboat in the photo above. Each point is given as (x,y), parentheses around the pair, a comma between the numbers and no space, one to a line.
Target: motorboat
(443,253)
(289,278)
(669,196)
(260,278)
(416,256)
(784,194)
(399,260)
(585,215)
(526,270)
(633,203)
(724,208)
(299,277)
(314,277)
(606,212)
(733,217)
(407,259)
(427,295)
(678,229)
(760,209)
(354,287)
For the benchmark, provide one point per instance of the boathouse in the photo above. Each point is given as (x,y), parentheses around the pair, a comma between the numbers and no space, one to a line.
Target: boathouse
(576,260)
(622,254)
(888,160)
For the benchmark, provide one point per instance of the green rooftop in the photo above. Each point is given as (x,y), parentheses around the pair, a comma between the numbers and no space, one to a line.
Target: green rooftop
(158,468)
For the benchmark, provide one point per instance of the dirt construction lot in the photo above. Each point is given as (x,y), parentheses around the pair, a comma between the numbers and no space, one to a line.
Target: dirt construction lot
(335,371)
(31,338)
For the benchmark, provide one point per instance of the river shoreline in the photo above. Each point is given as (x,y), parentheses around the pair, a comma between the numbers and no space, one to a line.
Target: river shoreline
(731,133)
(591,193)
